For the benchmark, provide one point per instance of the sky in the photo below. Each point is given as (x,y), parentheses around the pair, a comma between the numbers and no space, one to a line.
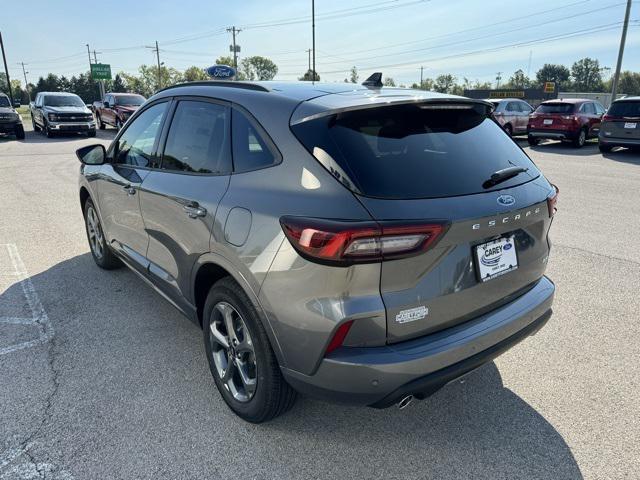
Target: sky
(467,38)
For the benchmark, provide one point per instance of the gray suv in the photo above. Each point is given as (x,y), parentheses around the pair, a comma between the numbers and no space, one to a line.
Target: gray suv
(357,244)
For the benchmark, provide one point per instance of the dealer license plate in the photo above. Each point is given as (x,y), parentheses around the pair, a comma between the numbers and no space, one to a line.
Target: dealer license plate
(496,258)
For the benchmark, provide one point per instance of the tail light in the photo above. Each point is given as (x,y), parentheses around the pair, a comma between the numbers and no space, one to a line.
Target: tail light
(570,117)
(607,118)
(338,337)
(343,243)
(552,201)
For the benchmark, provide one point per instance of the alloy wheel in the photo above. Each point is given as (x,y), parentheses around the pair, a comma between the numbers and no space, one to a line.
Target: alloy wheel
(233,352)
(96,239)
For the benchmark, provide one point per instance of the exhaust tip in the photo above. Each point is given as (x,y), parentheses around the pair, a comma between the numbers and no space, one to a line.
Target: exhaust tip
(405,402)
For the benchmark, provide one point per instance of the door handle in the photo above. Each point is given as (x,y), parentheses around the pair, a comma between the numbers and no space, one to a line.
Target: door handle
(194,210)
(129,189)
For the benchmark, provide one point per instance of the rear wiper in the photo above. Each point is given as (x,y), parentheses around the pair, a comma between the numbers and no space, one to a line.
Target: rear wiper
(503,175)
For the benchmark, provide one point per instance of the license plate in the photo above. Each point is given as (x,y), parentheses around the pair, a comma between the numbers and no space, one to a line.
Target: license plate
(630,125)
(496,258)
(547,121)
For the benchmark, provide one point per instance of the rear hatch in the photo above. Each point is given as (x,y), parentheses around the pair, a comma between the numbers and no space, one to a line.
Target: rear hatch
(553,116)
(422,163)
(622,120)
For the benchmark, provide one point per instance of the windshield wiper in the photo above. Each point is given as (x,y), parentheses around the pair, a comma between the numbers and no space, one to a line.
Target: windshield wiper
(503,175)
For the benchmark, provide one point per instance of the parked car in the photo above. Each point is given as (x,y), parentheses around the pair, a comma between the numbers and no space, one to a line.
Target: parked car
(571,119)
(61,112)
(362,245)
(116,108)
(10,120)
(621,125)
(512,114)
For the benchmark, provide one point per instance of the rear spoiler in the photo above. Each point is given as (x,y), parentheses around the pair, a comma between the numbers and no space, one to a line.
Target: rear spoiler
(299,117)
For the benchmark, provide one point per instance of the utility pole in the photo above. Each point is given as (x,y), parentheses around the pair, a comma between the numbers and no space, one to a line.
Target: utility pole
(623,39)
(498,78)
(235,48)
(156,50)
(421,70)
(89,53)
(101,82)
(529,64)
(313,38)
(26,84)
(309,52)
(6,70)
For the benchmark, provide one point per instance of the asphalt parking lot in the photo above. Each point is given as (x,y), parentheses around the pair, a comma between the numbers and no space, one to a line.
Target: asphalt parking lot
(101,378)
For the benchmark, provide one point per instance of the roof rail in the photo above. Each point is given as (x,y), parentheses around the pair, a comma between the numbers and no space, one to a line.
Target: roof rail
(218,83)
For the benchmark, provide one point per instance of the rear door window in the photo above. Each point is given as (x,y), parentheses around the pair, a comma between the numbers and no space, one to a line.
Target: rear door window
(624,109)
(198,139)
(413,151)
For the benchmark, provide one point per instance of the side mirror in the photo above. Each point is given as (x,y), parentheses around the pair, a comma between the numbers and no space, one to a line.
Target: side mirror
(16,104)
(92,154)
(106,104)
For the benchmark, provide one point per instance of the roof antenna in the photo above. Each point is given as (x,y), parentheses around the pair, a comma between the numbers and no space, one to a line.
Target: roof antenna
(374,81)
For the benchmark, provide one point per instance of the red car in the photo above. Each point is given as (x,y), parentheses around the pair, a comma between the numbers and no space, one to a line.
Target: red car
(571,119)
(116,108)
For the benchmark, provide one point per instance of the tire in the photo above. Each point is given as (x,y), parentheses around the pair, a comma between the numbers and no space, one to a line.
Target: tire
(508,129)
(533,141)
(580,139)
(118,124)
(264,394)
(91,133)
(103,257)
(101,124)
(35,126)
(20,132)
(49,133)
(605,148)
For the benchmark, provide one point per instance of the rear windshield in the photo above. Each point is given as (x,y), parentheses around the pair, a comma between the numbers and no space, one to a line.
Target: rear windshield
(555,108)
(134,100)
(63,101)
(624,109)
(413,151)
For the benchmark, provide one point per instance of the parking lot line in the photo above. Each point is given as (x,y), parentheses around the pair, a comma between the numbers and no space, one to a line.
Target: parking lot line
(39,316)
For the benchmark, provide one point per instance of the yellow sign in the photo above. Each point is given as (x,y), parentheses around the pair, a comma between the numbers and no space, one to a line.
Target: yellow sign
(549,87)
(508,94)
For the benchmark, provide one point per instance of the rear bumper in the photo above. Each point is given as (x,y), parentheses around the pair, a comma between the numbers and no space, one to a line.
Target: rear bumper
(618,142)
(555,134)
(381,376)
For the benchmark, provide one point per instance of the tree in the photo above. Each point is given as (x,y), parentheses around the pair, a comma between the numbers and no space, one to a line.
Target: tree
(146,82)
(308,76)
(629,83)
(518,80)
(553,73)
(427,84)
(353,75)
(444,83)
(259,68)
(118,85)
(389,82)
(586,75)
(195,74)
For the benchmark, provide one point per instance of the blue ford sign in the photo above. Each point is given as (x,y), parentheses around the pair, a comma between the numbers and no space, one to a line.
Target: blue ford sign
(506,200)
(224,72)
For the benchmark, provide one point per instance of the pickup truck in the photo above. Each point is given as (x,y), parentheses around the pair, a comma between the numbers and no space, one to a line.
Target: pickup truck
(116,108)
(10,120)
(61,112)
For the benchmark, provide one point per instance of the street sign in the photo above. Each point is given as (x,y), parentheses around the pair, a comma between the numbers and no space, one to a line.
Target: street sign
(549,87)
(221,72)
(237,48)
(100,71)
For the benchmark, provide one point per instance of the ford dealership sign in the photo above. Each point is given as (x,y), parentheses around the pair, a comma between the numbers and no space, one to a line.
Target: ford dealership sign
(221,72)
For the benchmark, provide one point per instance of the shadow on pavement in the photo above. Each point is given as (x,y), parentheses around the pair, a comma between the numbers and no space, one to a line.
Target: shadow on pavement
(131,368)
(624,155)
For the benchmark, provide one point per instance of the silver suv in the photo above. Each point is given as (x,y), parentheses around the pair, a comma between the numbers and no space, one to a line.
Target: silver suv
(357,244)
(512,115)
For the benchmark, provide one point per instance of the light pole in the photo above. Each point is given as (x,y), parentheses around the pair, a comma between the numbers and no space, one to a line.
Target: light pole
(623,39)
(6,70)
(313,38)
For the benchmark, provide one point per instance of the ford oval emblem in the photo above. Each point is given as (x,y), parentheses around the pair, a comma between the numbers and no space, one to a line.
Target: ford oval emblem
(224,72)
(506,200)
